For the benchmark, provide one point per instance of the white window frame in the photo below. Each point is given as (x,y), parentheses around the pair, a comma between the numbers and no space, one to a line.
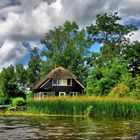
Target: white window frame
(59,82)
(64,94)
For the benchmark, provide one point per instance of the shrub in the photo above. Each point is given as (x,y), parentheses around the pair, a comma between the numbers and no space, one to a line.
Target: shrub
(105,85)
(137,81)
(29,95)
(120,90)
(18,101)
(135,94)
(5,101)
(2,99)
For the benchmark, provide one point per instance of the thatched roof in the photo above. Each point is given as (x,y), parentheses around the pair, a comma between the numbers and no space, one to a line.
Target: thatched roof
(58,72)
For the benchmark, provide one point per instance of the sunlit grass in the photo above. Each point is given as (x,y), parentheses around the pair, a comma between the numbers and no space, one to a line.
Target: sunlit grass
(86,106)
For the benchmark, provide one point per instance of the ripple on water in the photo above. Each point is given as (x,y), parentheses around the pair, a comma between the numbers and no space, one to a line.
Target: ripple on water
(41,128)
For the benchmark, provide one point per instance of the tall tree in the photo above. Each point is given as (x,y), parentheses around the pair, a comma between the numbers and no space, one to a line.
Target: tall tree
(101,80)
(34,67)
(109,66)
(111,34)
(68,46)
(131,55)
(1,91)
(9,83)
(21,77)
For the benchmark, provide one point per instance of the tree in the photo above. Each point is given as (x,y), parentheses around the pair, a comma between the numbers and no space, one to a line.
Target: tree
(9,84)
(21,77)
(1,91)
(109,66)
(131,55)
(111,34)
(34,67)
(67,46)
(101,80)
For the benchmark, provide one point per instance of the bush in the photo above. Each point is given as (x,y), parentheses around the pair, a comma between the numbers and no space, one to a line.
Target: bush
(18,101)
(120,90)
(2,99)
(29,95)
(135,94)
(105,85)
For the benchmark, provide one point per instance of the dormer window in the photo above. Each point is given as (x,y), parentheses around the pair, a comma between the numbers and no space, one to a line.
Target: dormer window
(61,82)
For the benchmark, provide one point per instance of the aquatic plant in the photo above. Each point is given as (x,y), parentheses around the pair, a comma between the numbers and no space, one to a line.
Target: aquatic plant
(86,106)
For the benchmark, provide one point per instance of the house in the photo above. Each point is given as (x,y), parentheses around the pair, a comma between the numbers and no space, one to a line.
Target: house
(58,82)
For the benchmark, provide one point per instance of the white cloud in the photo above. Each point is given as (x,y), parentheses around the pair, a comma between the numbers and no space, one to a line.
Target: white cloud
(10,53)
(29,25)
(130,8)
(136,36)
(32,23)
(29,20)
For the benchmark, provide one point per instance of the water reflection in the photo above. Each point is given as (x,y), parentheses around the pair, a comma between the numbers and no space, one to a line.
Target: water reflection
(63,128)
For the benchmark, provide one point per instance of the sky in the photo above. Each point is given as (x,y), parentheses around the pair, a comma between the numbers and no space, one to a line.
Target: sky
(24,22)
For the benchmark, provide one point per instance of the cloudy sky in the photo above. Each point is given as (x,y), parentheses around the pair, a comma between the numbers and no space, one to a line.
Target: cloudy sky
(24,22)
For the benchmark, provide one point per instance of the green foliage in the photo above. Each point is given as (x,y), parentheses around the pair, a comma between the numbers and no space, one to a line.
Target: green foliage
(105,85)
(9,84)
(21,77)
(67,46)
(2,99)
(18,101)
(120,90)
(34,67)
(111,34)
(101,81)
(135,90)
(29,96)
(131,55)
(130,87)
(117,62)
(86,106)
(1,90)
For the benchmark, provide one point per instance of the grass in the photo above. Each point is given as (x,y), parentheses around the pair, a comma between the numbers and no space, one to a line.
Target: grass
(85,106)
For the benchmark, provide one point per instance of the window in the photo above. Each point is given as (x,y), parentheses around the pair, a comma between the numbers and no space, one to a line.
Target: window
(62,94)
(54,82)
(59,82)
(69,82)
(64,82)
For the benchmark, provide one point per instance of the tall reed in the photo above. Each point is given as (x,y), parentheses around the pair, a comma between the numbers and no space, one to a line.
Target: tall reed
(86,106)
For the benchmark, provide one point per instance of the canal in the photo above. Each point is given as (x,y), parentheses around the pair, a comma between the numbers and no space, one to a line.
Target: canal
(68,128)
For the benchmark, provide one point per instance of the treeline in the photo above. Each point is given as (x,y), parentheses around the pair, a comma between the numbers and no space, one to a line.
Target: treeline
(113,71)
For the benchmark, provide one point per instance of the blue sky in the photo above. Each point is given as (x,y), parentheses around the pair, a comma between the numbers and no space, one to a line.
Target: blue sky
(24,22)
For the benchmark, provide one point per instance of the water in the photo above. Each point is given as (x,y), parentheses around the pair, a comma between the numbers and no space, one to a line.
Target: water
(68,128)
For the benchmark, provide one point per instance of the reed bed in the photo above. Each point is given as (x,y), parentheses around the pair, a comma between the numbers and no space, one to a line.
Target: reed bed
(86,106)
